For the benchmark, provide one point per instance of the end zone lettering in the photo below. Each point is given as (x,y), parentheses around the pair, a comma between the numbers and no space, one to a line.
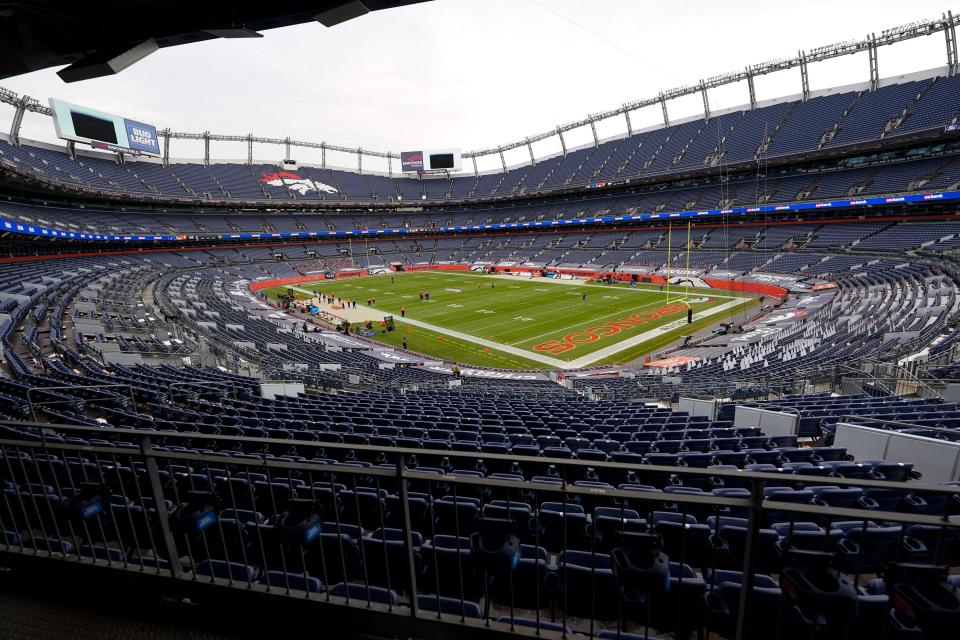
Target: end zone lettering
(612,328)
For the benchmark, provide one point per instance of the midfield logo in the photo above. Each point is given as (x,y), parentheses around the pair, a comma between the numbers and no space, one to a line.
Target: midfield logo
(593,334)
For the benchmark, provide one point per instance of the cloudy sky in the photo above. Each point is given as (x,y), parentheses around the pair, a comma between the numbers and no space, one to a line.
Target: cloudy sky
(477,73)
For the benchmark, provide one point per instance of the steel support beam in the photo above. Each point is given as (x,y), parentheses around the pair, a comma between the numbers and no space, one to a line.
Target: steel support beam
(323,155)
(206,148)
(706,100)
(503,161)
(563,143)
(359,160)
(804,76)
(250,148)
(593,130)
(950,33)
(533,159)
(626,115)
(166,146)
(72,149)
(389,165)
(874,66)
(21,109)
(663,105)
(751,89)
(286,144)
(476,172)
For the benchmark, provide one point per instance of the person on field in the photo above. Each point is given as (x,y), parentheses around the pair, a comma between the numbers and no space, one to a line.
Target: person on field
(427,296)
(421,295)
(583,297)
(404,342)
(403,313)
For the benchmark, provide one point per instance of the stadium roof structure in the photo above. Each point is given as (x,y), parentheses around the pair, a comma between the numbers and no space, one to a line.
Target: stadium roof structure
(945,24)
(103,38)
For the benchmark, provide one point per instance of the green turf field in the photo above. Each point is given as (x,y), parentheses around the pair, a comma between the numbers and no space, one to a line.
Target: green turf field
(540,323)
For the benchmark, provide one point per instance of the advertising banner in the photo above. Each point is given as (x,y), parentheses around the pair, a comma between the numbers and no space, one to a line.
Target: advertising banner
(411,161)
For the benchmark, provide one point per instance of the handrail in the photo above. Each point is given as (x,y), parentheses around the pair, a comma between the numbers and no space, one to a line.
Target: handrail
(853,419)
(755,501)
(201,383)
(402,451)
(32,390)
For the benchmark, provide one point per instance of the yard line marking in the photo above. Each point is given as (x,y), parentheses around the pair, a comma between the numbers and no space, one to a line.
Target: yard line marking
(560,305)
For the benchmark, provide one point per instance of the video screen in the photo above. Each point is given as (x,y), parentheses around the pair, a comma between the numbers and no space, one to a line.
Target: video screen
(86,126)
(441,161)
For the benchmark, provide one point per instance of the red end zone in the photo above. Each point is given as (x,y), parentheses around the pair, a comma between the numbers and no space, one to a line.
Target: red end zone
(612,328)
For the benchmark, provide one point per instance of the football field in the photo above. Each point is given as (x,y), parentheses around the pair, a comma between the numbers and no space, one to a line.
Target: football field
(502,321)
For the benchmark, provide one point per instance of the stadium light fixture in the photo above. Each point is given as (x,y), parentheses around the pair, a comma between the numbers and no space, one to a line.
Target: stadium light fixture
(108,62)
(339,15)
(233,31)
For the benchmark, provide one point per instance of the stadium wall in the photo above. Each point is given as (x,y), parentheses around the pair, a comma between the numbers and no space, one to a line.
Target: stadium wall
(436,267)
(282,282)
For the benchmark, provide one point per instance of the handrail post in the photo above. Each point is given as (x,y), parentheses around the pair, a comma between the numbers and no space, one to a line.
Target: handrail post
(160,504)
(408,538)
(749,557)
(33,411)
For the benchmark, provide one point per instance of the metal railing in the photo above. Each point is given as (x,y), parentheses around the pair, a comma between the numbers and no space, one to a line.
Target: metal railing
(419,535)
(33,391)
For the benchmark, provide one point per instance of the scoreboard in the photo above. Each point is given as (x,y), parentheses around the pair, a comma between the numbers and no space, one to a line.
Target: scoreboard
(430,161)
(103,130)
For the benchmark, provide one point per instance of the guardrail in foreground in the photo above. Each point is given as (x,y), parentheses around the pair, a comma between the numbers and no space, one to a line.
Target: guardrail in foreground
(420,537)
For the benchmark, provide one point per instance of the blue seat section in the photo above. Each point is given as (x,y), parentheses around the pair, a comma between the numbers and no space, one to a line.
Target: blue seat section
(828,121)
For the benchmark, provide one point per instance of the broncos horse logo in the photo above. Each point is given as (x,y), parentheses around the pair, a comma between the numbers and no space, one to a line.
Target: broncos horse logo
(294,182)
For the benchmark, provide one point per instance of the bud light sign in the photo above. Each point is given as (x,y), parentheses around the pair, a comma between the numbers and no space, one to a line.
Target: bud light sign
(411,161)
(142,137)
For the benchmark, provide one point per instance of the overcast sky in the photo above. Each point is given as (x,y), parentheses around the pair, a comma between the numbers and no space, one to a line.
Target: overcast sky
(477,73)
